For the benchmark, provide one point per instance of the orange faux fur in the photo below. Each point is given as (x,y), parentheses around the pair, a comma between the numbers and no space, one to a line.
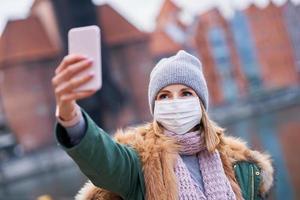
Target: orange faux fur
(158,155)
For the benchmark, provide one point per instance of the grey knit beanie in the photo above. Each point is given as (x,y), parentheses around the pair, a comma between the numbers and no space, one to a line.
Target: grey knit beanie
(182,68)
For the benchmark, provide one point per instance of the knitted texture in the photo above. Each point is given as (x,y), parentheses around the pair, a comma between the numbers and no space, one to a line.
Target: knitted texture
(182,68)
(216,184)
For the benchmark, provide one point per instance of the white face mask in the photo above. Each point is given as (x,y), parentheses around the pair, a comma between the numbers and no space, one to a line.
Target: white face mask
(178,115)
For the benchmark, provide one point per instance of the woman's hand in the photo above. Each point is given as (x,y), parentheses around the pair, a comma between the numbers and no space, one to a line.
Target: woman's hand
(66,81)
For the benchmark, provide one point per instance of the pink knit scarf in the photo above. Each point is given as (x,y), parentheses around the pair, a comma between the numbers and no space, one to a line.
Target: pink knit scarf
(215,182)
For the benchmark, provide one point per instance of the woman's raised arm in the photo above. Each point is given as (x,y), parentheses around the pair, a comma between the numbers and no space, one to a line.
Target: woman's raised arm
(108,164)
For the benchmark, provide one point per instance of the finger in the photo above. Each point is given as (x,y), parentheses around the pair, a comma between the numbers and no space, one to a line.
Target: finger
(69,72)
(69,60)
(73,84)
(77,95)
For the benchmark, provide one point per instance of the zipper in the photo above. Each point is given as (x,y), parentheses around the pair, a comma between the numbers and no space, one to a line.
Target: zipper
(252,183)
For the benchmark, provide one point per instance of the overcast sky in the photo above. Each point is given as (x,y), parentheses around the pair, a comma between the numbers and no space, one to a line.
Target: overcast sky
(140,13)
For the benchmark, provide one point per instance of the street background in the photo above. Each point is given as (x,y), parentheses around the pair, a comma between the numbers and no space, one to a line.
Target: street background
(250,51)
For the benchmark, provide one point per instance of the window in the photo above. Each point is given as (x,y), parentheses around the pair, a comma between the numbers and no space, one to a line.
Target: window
(223,63)
(246,51)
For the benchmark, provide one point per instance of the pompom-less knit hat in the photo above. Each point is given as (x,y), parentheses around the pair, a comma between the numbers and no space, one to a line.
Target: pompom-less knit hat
(182,68)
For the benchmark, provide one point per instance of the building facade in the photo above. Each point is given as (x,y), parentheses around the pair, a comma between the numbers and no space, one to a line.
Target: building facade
(273,46)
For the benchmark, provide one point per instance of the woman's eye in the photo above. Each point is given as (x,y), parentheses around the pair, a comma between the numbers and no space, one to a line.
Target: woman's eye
(186,94)
(163,96)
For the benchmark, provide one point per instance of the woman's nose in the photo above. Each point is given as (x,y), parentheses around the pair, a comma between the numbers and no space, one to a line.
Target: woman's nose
(175,96)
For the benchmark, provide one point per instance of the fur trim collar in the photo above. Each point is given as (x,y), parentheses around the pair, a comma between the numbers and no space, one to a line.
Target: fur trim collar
(238,151)
(160,178)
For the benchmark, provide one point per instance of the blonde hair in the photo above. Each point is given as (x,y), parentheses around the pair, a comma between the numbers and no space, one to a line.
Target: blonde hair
(212,131)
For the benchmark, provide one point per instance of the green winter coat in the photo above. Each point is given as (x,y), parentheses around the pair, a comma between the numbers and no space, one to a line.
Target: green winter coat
(117,167)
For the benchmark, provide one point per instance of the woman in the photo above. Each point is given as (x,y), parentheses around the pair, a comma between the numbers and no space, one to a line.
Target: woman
(182,154)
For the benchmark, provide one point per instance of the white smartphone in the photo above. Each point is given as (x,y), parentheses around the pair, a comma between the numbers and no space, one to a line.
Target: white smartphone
(86,41)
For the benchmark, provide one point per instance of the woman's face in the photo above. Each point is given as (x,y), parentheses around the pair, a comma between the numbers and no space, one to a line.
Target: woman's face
(175,91)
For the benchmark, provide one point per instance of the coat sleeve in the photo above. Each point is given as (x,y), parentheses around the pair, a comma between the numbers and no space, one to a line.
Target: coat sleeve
(108,164)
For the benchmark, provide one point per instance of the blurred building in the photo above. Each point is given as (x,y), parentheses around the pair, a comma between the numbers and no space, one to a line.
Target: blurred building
(168,28)
(244,43)
(222,67)
(131,63)
(291,13)
(27,65)
(273,46)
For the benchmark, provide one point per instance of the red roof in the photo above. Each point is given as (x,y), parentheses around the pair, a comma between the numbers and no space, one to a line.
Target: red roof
(24,40)
(162,44)
(167,7)
(116,29)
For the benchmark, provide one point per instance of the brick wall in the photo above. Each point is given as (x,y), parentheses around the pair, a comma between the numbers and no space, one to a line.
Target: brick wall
(273,46)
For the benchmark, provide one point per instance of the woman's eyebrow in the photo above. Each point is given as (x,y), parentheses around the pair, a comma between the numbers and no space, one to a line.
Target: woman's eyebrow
(164,91)
(184,89)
